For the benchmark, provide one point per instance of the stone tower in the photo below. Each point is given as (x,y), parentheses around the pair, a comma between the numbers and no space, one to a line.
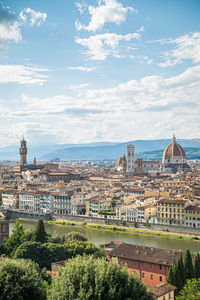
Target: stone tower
(130,159)
(124,164)
(23,153)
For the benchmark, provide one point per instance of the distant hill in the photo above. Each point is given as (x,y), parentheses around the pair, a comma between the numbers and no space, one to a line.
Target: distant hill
(147,149)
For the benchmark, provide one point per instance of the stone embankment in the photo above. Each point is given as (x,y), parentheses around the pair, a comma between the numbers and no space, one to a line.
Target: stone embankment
(15,214)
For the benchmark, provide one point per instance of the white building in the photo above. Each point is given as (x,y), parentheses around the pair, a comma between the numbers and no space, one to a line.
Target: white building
(62,203)
(10,199)
(78,203)
(35,201)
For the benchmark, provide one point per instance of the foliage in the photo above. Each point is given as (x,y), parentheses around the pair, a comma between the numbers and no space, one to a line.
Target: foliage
(89,278)
(17,237)
(45,254)
(135,224)
(181,272)
(76,236)
(40,235)
(188,266)
(175,275)
(197,266)
(106,212)
(191,290)
(19,279)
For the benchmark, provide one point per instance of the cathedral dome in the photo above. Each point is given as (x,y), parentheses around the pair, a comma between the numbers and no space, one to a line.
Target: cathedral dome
(174,153)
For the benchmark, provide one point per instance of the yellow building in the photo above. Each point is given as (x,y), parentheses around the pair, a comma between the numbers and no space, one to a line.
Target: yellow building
(150,210)
(192,216)
(171,211)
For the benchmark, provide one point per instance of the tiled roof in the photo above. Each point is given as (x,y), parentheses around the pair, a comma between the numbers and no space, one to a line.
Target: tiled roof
(163,289)
(142,253)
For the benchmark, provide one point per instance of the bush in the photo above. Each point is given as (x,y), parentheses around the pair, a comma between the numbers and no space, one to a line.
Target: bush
(19,279)
(76,236)
(45,254)
(89,278)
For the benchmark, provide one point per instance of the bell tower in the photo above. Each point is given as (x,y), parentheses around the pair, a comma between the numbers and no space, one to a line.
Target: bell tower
(23,153)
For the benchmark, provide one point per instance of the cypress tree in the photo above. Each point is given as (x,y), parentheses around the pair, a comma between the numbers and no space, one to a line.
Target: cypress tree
(197,266)
(181,271)
(188,266)
(170,277)
(40,234)
(176,276)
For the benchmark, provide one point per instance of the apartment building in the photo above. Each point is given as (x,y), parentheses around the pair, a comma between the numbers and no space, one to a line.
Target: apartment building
(35,201)
(192,216)
(149,263)
(10,198)
(171,211)
(62,202)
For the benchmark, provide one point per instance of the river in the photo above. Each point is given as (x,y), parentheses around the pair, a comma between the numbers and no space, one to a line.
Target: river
(102,236)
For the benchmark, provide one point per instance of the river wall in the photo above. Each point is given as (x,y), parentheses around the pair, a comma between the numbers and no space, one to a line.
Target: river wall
(159,227)
(36,216)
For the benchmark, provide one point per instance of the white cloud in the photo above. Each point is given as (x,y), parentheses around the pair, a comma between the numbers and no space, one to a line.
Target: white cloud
(107,11)
(9,28)
(102,45)
(34,17)
(82,68)
(22,74)
(10,25)
(76,87)
(186,47)
(151,107)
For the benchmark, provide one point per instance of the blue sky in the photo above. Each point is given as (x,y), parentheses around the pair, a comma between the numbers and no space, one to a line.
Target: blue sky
(107,70)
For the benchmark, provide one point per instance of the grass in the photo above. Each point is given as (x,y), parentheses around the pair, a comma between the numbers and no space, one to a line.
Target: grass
(127,229)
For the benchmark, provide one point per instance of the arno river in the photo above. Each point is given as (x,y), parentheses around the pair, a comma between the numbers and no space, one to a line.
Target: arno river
(102,236)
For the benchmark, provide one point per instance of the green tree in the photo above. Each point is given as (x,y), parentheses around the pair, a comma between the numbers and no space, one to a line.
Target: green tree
(170,277)
(45,254)
(19,279)
(188,266)
(191,290)
(197,266)
(40,235)
(75,236)
(16,238)
(90,278)
(181,272)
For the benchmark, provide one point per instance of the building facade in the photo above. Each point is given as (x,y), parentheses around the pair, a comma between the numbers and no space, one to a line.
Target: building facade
(4,230)
(149,263)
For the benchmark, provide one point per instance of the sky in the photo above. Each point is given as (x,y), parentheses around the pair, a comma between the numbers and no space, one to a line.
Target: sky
(108,70)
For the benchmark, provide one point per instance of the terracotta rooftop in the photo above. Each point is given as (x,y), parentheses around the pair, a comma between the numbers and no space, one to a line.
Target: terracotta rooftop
(142,253)
(163,289)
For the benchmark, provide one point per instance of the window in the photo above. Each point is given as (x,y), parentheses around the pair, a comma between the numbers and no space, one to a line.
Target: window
(134,262)
(160,267)
(160,278)
(119,259)
(151,265)
(142,275)
(143,264)
(127,261)
(151,276)
(4,228)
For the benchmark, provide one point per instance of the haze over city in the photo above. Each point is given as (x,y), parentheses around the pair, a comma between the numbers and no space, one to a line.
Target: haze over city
(87,71)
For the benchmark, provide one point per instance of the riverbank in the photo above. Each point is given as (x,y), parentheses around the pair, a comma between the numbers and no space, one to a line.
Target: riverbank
(144,231)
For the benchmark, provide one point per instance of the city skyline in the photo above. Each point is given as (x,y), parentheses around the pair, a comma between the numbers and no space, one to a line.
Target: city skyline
(88,71)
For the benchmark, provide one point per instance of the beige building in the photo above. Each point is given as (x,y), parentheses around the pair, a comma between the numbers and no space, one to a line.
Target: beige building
(10,199)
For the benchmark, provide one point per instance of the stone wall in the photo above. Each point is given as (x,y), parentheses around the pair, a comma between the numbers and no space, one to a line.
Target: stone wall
(90,220)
